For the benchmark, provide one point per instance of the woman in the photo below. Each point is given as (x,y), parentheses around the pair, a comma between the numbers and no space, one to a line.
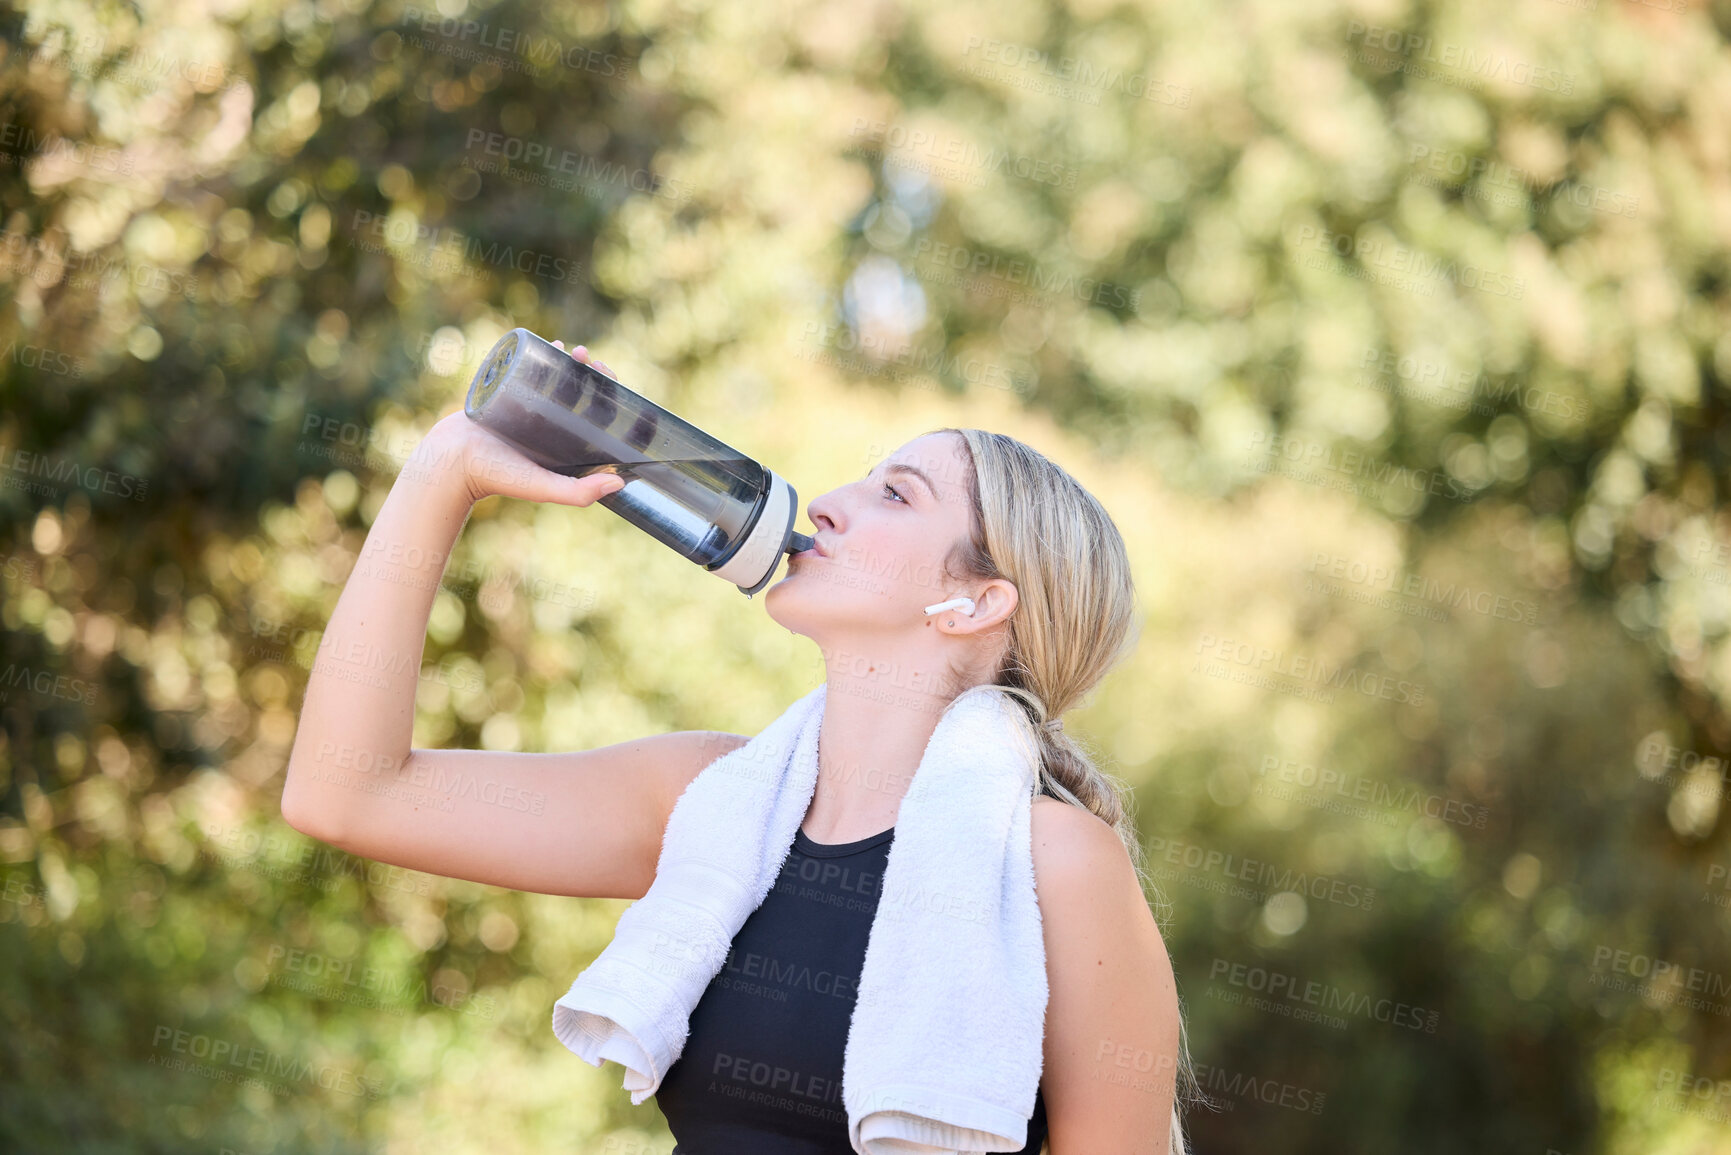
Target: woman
(955,513)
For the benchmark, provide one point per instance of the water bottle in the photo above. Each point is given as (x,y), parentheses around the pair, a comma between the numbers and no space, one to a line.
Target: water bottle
(706,500)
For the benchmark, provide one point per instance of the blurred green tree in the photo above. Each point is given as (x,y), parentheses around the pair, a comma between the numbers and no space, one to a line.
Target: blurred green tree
(1429,732)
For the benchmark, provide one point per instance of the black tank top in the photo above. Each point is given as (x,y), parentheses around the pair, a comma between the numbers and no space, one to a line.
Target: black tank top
(761,1070)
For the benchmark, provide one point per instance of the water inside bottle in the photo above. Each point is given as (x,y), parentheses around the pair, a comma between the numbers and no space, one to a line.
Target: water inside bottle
(701,482)
(647,468)
(576,421)
(680,475)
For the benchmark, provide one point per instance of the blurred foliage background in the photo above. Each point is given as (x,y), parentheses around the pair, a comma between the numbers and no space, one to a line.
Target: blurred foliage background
(1394,336)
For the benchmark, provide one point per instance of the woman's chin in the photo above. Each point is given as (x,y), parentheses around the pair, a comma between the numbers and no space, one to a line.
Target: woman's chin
(780,609)
(801,606)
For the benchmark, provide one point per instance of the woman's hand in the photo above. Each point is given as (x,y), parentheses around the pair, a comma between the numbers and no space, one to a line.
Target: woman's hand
(459,451)
(581,353)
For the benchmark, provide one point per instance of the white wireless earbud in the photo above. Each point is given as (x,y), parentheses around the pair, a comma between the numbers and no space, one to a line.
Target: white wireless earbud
(966,605)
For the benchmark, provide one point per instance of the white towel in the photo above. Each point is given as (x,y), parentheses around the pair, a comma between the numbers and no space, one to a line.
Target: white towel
(945,1047)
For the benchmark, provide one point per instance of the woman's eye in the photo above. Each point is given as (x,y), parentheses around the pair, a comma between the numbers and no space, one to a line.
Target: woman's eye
(899,497)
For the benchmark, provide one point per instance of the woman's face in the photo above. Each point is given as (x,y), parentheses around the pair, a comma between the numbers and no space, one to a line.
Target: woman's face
(886,536)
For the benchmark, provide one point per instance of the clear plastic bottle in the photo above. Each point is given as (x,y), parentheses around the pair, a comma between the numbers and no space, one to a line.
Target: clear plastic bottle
(702,498)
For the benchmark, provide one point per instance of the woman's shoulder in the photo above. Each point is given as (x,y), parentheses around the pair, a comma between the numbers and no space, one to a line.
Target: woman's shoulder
(1081,864)
(1110,979)
(1072,837)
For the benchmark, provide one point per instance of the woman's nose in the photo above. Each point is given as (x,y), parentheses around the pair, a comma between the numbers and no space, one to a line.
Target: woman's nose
(821,509)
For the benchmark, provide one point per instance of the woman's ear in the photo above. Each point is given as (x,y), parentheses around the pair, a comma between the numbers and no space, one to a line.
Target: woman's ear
(993,602)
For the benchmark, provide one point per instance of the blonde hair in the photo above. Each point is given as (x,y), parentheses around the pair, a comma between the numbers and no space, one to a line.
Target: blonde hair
(1036,526)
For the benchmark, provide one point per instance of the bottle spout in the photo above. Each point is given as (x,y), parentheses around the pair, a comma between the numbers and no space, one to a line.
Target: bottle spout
(799,542)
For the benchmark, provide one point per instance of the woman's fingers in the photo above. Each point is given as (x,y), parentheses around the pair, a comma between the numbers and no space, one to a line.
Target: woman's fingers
(596,486)
(581,353)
